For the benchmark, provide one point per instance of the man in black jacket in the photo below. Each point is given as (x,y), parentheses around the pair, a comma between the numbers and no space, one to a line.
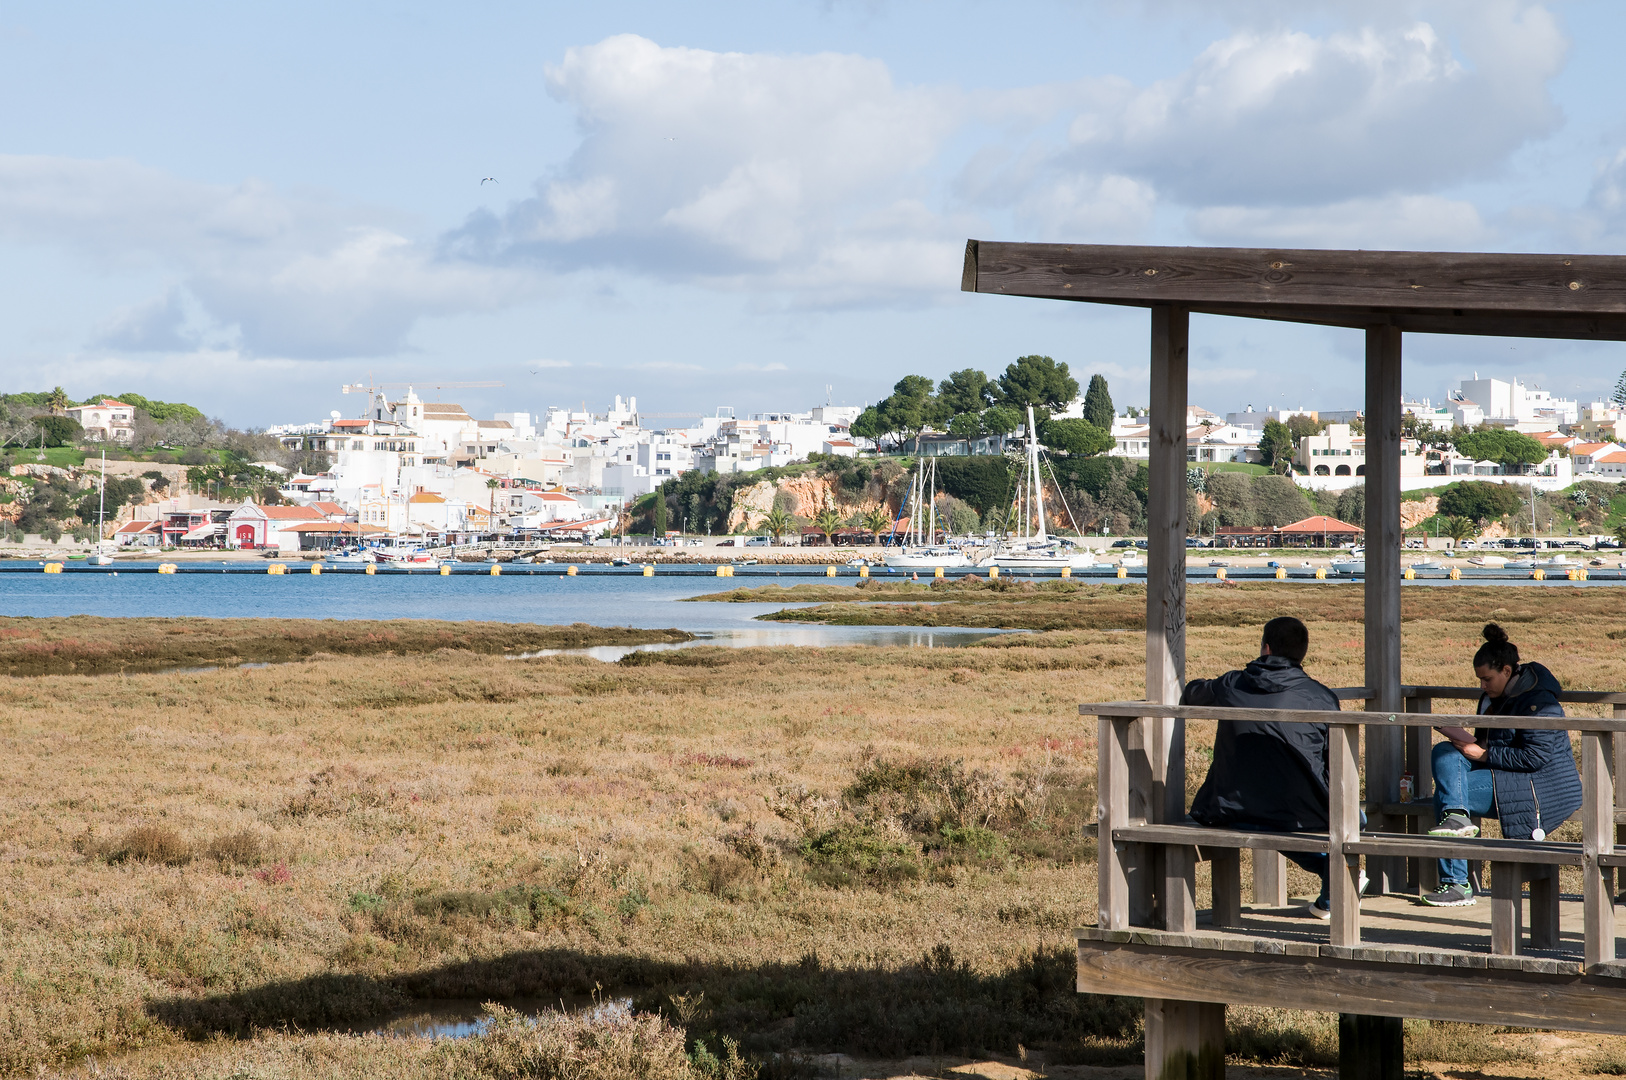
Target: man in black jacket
(1269,776)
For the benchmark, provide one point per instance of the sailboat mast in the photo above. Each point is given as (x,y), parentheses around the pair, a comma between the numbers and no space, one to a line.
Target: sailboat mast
(101,502)
(931,527)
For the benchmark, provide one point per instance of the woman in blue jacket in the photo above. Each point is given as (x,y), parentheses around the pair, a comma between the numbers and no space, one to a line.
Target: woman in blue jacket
(1525,778)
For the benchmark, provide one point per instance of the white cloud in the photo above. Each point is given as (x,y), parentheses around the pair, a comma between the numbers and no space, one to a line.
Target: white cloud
(742,170)
(1281,116)
(282,275)
(1417,222)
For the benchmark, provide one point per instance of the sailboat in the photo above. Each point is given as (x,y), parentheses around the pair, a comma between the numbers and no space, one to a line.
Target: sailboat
(102,557)
(1036,550)
(920,550)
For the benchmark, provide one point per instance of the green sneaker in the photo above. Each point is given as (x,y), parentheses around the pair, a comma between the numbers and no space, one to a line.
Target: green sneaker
(1455,823)
(1451,896)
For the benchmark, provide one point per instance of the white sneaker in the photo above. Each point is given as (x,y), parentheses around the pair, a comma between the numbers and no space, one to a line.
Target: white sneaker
(1316,911)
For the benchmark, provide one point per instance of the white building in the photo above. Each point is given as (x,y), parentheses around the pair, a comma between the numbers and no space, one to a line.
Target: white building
(1512,404)
(106,420)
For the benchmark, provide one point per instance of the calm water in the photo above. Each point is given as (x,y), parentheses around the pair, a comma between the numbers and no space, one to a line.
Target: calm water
(650,603)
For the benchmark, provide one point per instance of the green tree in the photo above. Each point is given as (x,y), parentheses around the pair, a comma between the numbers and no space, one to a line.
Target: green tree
(966,391)
(57,401)
(966,425)
(59,430)
(878,521)
(1276,443)
(1618,395)
(161,410)
(1079,438)
(1001,420)
(1232,494)
(911,407)
(1038,381)
(1460,529)
(1620,534)
(1279,501)
(1478,500)
(660,513)
(1098,408)
(827,521)
(1501,446)
(1351,505)
(778,522)
(1301,425)
(868,425)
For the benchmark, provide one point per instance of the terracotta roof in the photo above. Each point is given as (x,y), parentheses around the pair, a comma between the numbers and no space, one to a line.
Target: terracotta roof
(131,528)
(329,508)
(426,497)
(348,527)
(1321,524)
(291,513)
(351,423)
(1588,447)
(1617,457)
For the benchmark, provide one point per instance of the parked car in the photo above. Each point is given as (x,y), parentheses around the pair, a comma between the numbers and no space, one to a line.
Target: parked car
(1140,544)
(759,541)
(1123,543)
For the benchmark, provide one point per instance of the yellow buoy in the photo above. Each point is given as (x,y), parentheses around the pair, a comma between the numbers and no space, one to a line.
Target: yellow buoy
(496,569)
(722,571)
(276,568)
(1220,573)
(1456,573)
(571,570)
(829,571)
(1067,571)
(993,573)
(1538,574)
(1409,574)
(371,569)
(1281,573)
(166,568)
(316,568)
(939,572)
(863,571)
(53,568)
(1122,572)
(1321,573)
(649,571)
(445,570)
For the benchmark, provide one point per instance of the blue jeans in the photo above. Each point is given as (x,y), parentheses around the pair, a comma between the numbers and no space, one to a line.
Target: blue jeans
(1460,784)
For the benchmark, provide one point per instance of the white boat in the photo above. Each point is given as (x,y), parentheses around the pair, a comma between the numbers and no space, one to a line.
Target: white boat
(1036,550)
(920,549)
(413,559)
(1519,564)
(1426,564)
(1494,561)
(350,557)
(1348,567)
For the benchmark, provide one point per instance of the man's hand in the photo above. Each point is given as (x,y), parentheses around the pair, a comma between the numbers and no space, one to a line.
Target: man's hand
(1470,750)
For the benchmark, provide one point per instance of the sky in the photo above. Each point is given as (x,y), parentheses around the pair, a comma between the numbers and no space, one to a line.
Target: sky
(760,205)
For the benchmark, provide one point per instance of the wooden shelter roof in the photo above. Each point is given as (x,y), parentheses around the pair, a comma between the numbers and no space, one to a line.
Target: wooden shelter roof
(1513,295)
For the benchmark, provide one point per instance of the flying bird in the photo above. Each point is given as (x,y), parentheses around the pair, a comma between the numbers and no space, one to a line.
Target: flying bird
(493,179)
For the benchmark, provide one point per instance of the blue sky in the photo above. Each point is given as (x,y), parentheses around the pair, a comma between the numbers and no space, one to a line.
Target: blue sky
(744,203)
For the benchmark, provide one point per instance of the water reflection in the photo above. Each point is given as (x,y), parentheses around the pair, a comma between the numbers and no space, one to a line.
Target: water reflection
(454,1018)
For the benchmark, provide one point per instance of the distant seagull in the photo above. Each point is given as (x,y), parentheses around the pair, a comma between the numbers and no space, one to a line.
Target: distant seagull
(493,179)
(671,138)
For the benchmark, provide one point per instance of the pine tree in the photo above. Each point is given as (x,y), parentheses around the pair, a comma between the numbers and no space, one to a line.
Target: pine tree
(1619,395)
(1098,408)
(660,514)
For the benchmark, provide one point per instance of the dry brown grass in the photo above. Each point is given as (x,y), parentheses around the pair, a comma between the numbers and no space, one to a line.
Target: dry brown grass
(87,645)
(861,849)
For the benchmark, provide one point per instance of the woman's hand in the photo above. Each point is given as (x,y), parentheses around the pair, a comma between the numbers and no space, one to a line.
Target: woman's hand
(1470,750)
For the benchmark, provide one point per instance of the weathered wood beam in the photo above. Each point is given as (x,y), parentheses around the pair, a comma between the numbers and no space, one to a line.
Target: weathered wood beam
(1317,716)
(1385,751)
(1327,984)
(1421,282)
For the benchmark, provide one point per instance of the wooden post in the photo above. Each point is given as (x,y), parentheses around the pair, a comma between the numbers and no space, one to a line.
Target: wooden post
(1597,838)
(1343,826)
(1544,905)
(1506,888)
(1185,1040)
(1422,875)
(1370,1047)
(1112,812)
(1384,748)
(1619,712)
(1269,879)
(1225,875)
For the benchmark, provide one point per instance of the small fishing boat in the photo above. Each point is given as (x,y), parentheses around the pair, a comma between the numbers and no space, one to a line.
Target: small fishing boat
(1348,567)
(351,556)
(1489,561)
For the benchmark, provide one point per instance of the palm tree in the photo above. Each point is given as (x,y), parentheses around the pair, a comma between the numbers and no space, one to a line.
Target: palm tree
(492,485)
(878,521)
(1460,529)
(57,401)
(827,522)
(778,523)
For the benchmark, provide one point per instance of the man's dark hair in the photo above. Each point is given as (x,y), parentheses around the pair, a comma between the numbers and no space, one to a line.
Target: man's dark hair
(1287,637)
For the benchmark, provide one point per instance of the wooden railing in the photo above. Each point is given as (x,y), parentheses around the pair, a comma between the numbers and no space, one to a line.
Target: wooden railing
(1513,861)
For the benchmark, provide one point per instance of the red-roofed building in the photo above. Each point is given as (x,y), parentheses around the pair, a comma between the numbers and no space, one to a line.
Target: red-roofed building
(107,420)
(1612,465)
(254,526)
(1319,531)
(1584,455)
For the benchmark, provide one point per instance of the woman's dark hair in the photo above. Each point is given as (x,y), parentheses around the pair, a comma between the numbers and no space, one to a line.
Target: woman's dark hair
(1497,652)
